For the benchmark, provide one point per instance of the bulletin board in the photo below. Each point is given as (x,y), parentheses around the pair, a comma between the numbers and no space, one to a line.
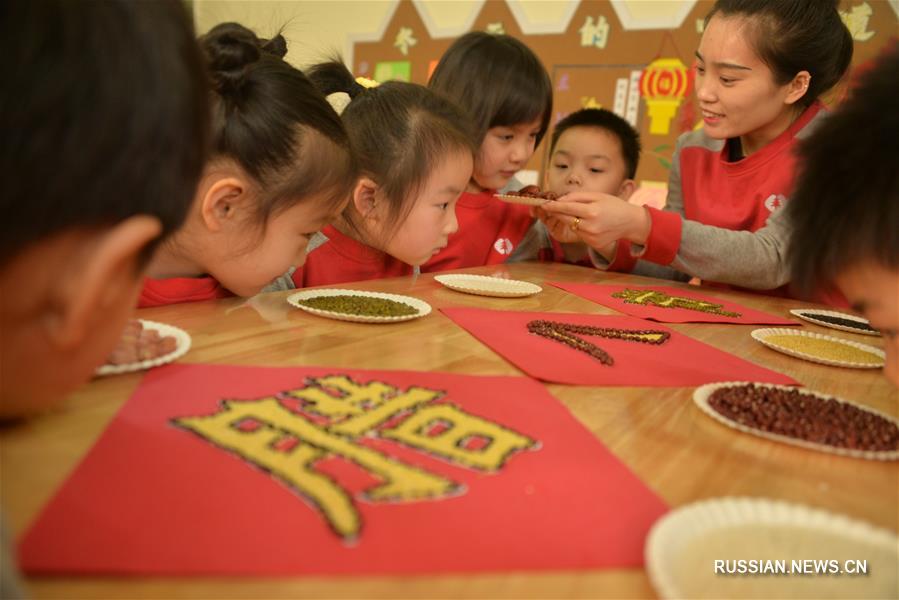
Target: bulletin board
(644,75)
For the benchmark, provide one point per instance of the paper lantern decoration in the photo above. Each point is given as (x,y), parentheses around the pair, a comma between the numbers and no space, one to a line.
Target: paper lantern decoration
(664,83)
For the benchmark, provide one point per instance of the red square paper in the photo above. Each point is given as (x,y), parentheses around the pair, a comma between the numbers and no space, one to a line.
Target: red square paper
(714,310)
(264,471)
(679,361)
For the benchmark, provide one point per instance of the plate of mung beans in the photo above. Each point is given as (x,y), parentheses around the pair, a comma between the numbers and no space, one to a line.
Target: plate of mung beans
(824,349)
(360,306)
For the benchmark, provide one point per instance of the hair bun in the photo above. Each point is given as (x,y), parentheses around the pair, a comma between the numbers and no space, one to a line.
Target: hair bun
(276,46)
(229,49)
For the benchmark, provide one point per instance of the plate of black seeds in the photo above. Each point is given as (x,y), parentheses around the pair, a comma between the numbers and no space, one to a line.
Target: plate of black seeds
(802,418)
(836,320)
(359,306)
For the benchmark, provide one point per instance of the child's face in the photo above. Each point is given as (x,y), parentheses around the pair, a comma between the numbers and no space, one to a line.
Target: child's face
(504,151)
(245,263)
(433,216)
(873,290)
(587,159)
(735,89)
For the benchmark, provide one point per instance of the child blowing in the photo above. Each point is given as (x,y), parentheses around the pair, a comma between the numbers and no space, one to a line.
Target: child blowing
(845,211)
(415,154)
(281,170)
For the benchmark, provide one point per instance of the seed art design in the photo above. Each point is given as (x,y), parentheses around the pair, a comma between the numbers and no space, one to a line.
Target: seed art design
(332,417)
(569,334)
(663,300)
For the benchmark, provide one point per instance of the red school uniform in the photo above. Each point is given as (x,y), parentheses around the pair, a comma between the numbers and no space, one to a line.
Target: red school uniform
(160,292)
(339,258)
(492,232)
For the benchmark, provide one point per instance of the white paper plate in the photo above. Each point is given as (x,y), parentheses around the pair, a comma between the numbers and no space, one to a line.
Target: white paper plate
(682,547)
(701,398)
(483,285)
(807,314)
(521,199)
(182,345)
(764,335)
(421,307)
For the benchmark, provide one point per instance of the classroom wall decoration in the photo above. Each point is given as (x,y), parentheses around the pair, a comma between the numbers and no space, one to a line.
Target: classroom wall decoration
(603,58)
(214,469)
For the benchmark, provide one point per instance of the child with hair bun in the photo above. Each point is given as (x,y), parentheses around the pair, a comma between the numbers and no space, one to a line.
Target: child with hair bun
(415,154)
(281,169)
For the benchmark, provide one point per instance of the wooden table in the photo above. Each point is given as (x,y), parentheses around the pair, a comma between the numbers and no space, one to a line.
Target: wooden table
(678,451)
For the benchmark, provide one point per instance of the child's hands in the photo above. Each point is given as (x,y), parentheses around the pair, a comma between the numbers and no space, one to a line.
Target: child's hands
(139,344)
(599,220)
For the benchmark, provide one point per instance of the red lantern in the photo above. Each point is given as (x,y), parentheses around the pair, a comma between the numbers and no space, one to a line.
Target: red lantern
(664,83)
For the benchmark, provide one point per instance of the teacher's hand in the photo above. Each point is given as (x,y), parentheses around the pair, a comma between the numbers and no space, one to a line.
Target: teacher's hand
(597,219)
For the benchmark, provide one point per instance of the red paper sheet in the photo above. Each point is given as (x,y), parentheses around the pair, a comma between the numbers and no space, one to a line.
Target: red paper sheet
(602,294)
(680,361)
(156,497)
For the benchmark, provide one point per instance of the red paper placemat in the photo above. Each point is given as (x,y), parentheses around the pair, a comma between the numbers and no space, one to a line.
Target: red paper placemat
(679,361)
(378,472)
(640,301)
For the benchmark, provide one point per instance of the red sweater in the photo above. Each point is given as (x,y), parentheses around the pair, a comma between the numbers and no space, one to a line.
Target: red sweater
(160,292)
(342,259)
(490,231)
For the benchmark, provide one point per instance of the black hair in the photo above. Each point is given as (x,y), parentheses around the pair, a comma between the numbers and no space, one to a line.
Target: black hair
(497,80)
(104,116)
(796,35)
(271,120)
(607,121)
(845,209)
(400,132)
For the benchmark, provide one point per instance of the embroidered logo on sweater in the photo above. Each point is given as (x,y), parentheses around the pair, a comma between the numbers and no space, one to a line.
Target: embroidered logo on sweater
(774,201)
(503,246)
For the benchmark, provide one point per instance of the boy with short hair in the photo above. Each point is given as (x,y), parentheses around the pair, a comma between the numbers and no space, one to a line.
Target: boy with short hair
(845,210)
(591,150)
(104,118)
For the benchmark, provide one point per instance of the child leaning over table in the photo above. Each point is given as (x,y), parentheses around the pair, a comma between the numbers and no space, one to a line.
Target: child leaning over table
(415,152)
(845,210)
(101,151)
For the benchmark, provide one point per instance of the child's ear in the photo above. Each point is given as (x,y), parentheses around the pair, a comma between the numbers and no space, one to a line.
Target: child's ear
(220,202)
(627,189)
(365,197)
(798,87)
(98,280)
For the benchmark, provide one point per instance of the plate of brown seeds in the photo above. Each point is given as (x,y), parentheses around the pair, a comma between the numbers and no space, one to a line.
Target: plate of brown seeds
(822,349)
(359,306)
(144,345)
(836,320)
(802,418)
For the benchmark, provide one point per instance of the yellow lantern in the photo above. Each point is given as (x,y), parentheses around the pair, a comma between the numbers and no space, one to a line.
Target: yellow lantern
(663,85)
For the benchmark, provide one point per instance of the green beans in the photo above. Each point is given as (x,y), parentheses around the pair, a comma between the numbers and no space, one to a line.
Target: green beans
(360,305)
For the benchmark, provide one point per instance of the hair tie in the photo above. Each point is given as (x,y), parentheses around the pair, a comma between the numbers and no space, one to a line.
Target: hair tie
(367,83)
(338,101)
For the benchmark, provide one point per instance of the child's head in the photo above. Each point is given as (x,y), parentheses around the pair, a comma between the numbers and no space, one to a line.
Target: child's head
(508,94)
(593,150)
(761,62)
(105,128)
(281,167)
(415,153)
(845,210)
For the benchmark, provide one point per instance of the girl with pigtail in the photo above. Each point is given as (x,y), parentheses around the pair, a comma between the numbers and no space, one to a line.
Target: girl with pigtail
(415,153)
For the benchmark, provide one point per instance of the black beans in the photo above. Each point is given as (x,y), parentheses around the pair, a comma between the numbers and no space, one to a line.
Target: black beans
(803,416)
(860,325)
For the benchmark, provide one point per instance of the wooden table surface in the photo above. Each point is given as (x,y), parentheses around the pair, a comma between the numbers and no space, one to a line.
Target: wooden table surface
(659,433)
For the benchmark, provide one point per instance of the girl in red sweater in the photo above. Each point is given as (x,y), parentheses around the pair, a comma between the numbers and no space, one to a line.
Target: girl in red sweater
(415,153)
(507,93)
(280,171)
